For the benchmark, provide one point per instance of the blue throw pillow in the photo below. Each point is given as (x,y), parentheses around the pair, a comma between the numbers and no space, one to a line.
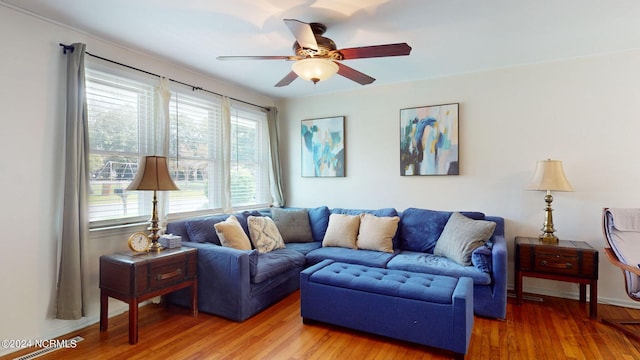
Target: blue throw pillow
(481,258)
(243,219)
(379,212)
(202,230)
(319,221)
(420,229)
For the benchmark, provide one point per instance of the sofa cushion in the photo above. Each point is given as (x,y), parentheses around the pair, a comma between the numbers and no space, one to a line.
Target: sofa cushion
(232,235)
(350,256)
(377,232)
(276,262)
(304,248)
(342,231)
(293,224)
(319,220)
(438,265)
(420,229)
(202,230)
(264,234)
(462,235)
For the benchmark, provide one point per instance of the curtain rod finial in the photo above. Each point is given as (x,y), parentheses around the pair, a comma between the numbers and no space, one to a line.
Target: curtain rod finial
(66,48)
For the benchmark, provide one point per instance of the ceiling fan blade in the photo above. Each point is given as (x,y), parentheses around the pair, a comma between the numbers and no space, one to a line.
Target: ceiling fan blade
(287,79)
(283,57)
(400,49)
(303,33)
(353,74)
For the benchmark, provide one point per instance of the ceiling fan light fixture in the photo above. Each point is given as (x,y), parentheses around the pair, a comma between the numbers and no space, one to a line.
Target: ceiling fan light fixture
(314,69)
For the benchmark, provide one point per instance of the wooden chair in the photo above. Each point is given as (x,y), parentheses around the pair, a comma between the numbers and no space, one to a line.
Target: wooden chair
(619,241)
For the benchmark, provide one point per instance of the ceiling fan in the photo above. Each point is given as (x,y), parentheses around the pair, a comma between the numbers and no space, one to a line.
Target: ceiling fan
(317,58)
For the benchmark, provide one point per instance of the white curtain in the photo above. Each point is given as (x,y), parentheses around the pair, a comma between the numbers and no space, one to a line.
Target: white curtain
(274,152)
(226,155)
(163,96)
(75,221)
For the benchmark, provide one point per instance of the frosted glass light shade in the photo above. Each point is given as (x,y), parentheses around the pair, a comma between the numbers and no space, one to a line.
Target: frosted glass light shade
(315,70)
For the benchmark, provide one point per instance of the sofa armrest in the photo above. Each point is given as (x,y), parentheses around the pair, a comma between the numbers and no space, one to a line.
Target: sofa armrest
(224,277)
(499,259)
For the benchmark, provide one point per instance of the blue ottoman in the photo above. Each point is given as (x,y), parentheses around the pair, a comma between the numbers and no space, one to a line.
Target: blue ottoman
(431,310)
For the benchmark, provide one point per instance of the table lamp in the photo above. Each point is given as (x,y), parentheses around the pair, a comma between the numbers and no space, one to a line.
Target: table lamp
(548,177)
(153,174)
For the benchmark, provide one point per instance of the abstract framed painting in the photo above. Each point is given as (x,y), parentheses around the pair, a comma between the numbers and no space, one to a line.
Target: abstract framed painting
(429,140)
(323,145)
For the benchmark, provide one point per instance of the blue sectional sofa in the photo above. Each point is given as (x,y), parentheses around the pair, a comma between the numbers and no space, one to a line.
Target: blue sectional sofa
(237,284)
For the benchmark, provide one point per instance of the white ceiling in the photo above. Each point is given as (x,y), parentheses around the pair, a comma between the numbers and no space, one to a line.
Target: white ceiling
(447,36)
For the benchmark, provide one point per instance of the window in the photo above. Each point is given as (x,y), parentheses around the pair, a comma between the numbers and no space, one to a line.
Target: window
(120,112)
(249,154)
(195,154)
(122,128)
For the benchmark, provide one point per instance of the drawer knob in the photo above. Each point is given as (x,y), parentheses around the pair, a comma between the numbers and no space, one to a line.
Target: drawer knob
(166,276)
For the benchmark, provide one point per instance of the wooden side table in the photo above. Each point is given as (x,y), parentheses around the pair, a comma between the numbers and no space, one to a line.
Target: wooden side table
(572,261)
(135,278)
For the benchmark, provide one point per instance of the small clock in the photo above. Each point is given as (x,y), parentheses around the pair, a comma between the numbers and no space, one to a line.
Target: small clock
(139,242)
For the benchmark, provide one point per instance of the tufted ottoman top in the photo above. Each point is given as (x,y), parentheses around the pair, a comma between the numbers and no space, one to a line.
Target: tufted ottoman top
(397,283)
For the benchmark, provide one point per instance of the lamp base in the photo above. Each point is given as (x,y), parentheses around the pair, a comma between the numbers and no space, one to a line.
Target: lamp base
(548,238)
(155,246)
(547,235)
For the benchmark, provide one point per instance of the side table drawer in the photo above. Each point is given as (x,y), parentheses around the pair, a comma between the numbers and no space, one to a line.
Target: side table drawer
(557,263)
(558,260)
(161,275)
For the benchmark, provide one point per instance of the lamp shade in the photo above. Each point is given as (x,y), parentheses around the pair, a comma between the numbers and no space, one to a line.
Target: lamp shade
(153,174)
(549,176)
(315,70)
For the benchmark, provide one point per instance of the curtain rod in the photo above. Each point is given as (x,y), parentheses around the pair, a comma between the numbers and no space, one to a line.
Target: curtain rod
(70,48)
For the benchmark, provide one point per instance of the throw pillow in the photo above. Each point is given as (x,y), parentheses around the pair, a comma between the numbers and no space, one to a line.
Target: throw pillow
(264,234)
(231,234)
(376,233)
(461,236)
(319,219)
(293,225)
(202,230)
(342,231)
(420,229)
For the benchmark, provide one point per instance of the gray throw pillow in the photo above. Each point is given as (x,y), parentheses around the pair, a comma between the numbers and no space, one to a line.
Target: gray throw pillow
(461,236)
(293,225)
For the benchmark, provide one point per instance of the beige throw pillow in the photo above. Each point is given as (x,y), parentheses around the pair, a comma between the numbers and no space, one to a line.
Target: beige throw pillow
(377,232)
(264,234)
(232,235)
(342,231)
(461,236)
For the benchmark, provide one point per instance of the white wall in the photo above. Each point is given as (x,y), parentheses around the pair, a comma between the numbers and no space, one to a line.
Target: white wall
(581,111)
(32,71)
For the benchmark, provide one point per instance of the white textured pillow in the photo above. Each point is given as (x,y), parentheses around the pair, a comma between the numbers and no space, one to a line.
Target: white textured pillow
(231,234)
(264,234)
(377,232)
(461,236)
(342,231)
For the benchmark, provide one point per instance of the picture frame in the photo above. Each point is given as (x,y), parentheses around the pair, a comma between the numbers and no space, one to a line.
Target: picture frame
(429,143)
(323,147)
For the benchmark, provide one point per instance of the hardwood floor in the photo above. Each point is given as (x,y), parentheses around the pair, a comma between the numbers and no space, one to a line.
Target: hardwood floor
(552,329)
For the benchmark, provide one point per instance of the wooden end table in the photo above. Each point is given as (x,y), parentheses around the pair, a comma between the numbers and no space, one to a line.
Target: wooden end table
(136,278)
(572,261)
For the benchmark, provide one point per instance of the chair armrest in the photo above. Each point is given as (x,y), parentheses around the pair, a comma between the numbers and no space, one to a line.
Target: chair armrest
(614,260)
